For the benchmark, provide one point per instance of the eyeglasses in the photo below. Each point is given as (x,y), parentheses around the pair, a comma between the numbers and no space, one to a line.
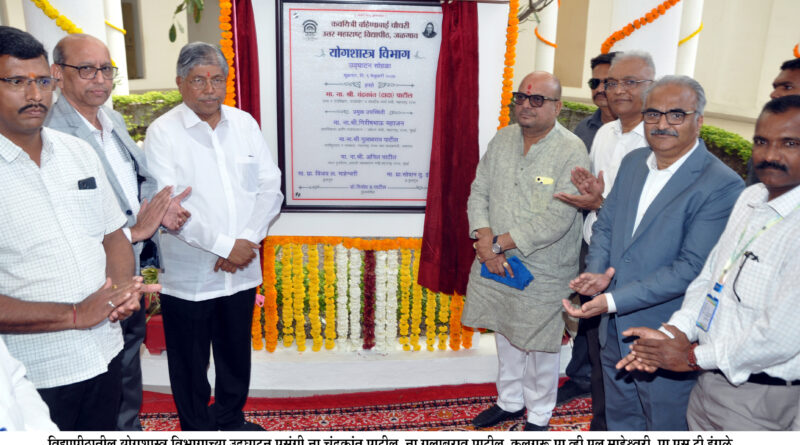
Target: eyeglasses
(19,83)
(626,84)
(594,82)
(89,72)
(674,117)
(199,82)
(536,100)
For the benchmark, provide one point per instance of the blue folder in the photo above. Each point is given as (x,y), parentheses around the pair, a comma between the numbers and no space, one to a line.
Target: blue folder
(522,276)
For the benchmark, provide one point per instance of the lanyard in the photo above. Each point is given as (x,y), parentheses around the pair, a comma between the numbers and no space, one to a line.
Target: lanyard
(735,255)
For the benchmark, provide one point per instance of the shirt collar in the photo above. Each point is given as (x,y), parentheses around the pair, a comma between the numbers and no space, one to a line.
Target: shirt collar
(105,122)
(617,127)
(652,164)
(783,205)
(596,119)
(10,151)
(190,118)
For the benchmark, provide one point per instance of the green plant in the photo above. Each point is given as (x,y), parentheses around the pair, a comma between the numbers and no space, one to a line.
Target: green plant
(152,300)
(193,6)
(139,110)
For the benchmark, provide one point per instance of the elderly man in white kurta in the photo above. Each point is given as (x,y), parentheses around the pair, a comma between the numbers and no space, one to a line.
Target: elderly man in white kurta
(512,213)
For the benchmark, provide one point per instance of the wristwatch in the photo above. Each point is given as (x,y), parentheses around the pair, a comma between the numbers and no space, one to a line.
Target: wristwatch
(496,248)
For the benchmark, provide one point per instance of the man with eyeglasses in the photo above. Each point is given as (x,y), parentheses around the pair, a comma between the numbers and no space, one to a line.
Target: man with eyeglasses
(737,323)
(211,265)
(583,369)
(82,65)
(66,268)
(669,204)
(512,213)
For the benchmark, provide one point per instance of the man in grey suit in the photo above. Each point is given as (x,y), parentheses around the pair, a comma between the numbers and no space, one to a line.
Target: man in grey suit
(82,65)
(669,204)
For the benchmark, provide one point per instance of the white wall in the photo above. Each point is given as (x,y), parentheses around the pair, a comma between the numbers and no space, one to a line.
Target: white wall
(159,54)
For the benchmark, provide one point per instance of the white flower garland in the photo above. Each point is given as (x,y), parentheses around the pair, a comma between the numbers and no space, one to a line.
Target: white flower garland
(380,300)
(355,299)
(393,269)
(342,327)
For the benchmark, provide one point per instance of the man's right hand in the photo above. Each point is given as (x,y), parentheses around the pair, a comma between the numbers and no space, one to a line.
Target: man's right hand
(592,283)
(244,251)
(590,190)
(125,300)
(150,215)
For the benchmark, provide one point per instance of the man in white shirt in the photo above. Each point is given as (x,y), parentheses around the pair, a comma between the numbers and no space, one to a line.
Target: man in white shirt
(738,321)
(211,265)
(21,408)
(82,65)
(669,203)
(61,242)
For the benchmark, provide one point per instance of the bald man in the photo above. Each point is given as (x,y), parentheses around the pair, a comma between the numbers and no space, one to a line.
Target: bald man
(82,65)
(512,213)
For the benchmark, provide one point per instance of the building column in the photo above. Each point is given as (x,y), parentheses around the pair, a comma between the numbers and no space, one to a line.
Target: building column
(545,53)
(659,38)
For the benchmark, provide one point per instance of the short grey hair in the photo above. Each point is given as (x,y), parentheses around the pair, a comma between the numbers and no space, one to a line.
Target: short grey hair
(641,55)
(200,53)
(683,81)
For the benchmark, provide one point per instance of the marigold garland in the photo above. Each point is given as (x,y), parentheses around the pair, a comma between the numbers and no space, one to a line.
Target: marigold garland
(342,321)
(256,329)
(368,315)
(392,272)
(542,39)
(628,29)
(61,20)
(444,319)
(330,294)
(512,31)
(416,305)
(430,321)
(797,51)
(270,298)
(286,294)
(456,307)
(298,297)
(313,297)
(226,45)
(405,292)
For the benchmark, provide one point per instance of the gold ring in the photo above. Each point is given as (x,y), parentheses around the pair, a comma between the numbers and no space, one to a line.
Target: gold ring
(114,286)
(505,263)
(475,246)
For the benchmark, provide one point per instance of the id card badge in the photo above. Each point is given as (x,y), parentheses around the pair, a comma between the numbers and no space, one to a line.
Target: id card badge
(707,312)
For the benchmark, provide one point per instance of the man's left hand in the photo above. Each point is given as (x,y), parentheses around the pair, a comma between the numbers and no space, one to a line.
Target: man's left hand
(666,353)
(596,306)
(499,265)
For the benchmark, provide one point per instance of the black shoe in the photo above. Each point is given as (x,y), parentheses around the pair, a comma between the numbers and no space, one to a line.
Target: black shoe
(244,426)
(495,415)
(534,427)
(570,391)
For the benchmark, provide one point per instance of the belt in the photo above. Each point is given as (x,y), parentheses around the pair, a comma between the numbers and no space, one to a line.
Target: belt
(763,379)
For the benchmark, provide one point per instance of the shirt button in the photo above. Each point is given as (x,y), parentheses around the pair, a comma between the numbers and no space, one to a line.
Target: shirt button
(129,212)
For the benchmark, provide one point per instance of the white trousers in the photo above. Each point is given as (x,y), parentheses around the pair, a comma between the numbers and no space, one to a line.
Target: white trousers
(527,379)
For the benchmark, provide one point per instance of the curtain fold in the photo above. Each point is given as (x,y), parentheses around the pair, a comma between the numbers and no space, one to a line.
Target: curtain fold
(245,49)
(447,253)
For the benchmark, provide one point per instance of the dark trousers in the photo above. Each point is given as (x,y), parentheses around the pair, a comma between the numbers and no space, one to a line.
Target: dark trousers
(90,405)
(584,366)
(133,330)
(190,329)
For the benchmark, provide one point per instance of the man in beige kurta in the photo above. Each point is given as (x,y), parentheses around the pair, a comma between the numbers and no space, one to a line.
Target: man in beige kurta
(512,213)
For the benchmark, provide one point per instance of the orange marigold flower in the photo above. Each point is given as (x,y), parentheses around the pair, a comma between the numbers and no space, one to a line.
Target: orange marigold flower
(661,9)
(225,26)
(637,23)
(224,19)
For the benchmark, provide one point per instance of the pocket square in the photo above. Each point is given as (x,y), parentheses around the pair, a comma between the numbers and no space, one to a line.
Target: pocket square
(522,276)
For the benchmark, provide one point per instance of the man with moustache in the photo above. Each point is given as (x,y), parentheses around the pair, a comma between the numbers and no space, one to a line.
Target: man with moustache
(82,65)
(737,322)
(211,265)
(583,369)
(61,242)
(512,213)
(786,84)
(669,203)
